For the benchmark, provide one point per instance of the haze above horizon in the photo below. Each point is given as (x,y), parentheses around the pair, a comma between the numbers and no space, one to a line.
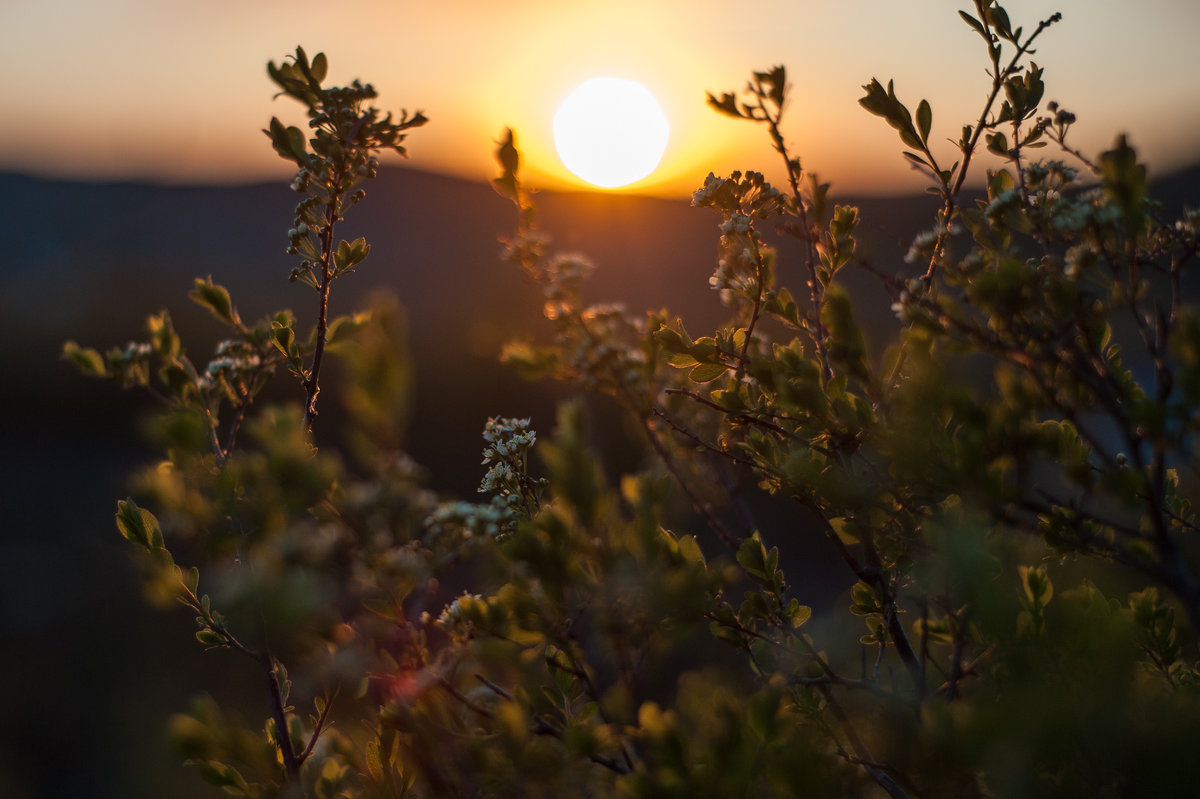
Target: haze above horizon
(177,92)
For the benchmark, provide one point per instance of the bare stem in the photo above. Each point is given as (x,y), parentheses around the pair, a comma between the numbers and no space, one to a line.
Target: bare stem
(312,384)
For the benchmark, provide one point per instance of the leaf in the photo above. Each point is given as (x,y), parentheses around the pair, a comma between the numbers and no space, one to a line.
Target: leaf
(671,340)
(976,24)
(138,525)
(210,638)
(726,105)
(752,556)
(350,254)
(682,360)
(775,82)
(344,328)
(216,299)
(191,579)
(87,360)
(884,103)
(706,372)
(163,336)
(507,154)
(283,337)
(319,67)
(690,550)
(844,528)
(924,120)
(1124,181)
(220,775)
(798,613)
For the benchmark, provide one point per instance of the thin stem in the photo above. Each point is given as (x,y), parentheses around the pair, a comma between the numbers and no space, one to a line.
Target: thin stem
(312,384)
(291,764)
(318,729)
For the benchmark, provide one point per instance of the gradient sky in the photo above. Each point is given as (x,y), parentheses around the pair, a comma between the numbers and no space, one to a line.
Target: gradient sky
(176,90)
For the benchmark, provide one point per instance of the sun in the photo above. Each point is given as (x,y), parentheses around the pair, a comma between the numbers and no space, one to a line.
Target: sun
(610,132)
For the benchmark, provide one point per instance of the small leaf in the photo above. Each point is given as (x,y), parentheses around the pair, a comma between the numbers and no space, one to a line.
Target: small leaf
(997,143)
(798,613)
(706,372)
(682,360)
(726,105)
(974,23)
(191,579)
(216,299)
(752,556)
(320,66)
(87,360)
(924,120)
(138,525)
(210,638)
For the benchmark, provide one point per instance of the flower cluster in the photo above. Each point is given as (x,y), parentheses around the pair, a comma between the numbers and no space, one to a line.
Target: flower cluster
(562,278)
(925,244)
(907,305)
(468,520)
(458,618)
(234,365)
(506,454)
(749,195)
(741,200)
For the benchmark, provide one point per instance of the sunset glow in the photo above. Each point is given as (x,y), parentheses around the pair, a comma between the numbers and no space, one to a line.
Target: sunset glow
(176,109)
(611,132)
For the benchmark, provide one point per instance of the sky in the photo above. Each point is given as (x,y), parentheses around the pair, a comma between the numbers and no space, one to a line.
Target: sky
(176,91)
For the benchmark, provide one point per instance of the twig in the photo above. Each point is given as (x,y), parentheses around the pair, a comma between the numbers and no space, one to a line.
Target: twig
(312,383)
(318,729)
(291,764)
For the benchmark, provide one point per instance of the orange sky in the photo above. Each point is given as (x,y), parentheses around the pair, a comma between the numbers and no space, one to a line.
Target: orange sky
(176,90)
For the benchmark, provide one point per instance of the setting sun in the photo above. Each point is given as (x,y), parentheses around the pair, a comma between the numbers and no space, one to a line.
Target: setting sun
(610,132)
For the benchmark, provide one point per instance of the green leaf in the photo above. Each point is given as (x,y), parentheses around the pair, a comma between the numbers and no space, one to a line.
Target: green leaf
(344,328)
(87,360)
(163,336)
(752,556)
(220,775)
(138,525)
(706,372)
(210,638)
(350,254)
(1124,181)
(844,528)
(682,360)
(319,67)
(216,299)
(924,120)
(976,24)
(799,614)
(884,103)
(672,340)
(283,337)
(191,579)
(374,761)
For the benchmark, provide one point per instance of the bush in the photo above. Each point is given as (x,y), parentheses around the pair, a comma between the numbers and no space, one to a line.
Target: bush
(1008,487)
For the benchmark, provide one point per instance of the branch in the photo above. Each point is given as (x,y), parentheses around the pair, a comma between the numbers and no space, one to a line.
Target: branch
(291,765)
